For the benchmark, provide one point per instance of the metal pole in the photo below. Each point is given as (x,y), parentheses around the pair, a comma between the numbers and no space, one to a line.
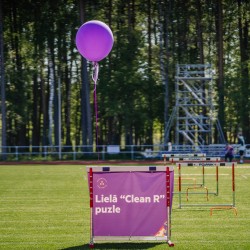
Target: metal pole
(168,204)
(217,180)
(233,184)
(179,170)
(91,244)
(203,175)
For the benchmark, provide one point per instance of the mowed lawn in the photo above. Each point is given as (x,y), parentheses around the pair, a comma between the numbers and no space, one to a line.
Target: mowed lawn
(47,207)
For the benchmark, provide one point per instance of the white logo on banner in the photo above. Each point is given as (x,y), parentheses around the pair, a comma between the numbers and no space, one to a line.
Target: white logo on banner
(102,183)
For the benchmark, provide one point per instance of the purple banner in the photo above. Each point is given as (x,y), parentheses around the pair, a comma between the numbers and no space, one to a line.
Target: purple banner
(130,203)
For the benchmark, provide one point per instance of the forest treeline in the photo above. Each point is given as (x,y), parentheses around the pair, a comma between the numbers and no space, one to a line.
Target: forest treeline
(47,89)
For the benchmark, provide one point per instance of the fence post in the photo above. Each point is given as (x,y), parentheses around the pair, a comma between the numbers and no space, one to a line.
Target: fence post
(103,152)
(45,152)
(16,153)
(132,152)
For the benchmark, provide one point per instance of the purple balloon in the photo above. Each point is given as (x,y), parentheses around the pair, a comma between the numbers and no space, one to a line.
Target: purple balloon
(94,40)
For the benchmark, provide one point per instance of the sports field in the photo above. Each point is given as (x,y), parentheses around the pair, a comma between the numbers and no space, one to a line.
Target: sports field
(47,207)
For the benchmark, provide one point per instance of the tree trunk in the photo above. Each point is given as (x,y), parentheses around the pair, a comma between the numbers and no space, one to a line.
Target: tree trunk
(87,138)
(2,74)
(35,113)
(220,62)
(68,95)
(149,126)
(164,40)
(51,95)
(243,24)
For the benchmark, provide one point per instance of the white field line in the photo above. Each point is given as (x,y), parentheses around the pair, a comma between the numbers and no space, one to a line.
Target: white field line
(244,176)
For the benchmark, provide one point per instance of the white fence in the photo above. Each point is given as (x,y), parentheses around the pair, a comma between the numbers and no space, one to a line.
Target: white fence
(109,152)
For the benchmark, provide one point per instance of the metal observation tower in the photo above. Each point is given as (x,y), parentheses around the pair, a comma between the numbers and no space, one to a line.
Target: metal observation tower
(194,114)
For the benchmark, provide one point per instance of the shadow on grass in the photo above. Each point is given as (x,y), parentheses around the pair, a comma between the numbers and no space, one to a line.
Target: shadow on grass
(115,246)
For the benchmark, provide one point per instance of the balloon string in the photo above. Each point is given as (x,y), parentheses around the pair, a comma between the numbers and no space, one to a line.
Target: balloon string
(95,78)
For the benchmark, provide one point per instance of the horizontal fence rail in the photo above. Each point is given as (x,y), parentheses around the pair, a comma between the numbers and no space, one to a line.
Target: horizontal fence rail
(110,152)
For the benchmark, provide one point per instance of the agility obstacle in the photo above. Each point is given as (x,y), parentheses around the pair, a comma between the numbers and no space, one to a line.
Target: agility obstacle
(184,155)
(209,164)
(130,203)
(173,158)
(200,160)
(200,157)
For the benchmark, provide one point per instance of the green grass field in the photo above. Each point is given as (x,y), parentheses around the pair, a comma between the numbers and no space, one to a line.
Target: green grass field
(47,207)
